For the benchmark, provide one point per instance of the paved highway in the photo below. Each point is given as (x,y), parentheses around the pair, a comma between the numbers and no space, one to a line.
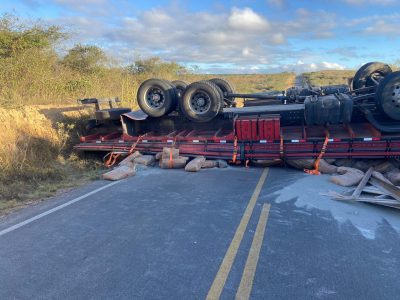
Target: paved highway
(166,234)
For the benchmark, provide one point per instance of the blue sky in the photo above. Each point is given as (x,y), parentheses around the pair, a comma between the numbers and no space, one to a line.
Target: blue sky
(229,36)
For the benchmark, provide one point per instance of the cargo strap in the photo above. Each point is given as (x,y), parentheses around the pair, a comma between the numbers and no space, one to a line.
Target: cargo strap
(170,162)
(113,156)
(135,144)
(235,149)
(316,171)
(112,159)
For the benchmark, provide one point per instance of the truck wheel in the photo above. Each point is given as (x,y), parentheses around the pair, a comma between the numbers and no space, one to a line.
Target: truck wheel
(201,101)
(226,89)
(388,95)
(156,97)
(376,70)
(180,87)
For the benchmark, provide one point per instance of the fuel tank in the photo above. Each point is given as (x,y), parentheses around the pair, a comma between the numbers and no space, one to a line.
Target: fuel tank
(329,109)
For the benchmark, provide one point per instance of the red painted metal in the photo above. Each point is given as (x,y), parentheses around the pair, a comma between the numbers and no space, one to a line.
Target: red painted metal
(246,128)
(91,137)
(258,138)
(269,128)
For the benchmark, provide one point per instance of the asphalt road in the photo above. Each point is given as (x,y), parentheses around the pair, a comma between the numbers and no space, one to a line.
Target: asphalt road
(176,235)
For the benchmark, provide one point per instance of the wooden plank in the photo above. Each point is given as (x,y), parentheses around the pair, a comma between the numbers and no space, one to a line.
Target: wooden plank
(391,189)
(362,184)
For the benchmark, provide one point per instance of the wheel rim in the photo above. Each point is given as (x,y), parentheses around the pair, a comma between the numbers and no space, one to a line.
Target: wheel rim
(155,97)
(391,102)
(179,92)
(200,102)
(395,96)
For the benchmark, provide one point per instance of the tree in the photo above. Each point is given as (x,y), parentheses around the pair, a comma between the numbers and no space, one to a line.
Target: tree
(17,37)
(85,58)
(155,65)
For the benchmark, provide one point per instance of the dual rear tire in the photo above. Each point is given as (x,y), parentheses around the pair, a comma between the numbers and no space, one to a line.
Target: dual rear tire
(199,102)
(157,97)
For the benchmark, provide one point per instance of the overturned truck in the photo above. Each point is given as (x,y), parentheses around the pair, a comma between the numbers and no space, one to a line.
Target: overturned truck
(358,120)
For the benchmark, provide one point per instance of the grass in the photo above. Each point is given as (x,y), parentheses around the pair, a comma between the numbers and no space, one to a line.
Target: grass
(329,77)
(35,156)
(250,83)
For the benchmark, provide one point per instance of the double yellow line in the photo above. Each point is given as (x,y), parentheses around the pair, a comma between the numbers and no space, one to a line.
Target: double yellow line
(246,282)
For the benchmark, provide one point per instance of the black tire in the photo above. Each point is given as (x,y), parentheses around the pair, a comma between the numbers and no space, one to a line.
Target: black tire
(362,77)
(221,94)
(156,97)
(226,89)
(201,101)
(388,96)
(111,113)
(180,87)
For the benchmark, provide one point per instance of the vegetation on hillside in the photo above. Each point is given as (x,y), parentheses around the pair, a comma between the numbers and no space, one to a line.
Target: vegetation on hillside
(329,77)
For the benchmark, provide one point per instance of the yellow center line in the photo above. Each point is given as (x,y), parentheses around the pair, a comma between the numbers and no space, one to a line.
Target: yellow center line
(226,265)
(246,283)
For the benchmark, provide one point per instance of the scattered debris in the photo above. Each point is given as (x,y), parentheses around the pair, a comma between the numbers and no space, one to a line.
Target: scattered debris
(326,168)
(301,164)
(266,162)
(158,155)
(120,172)
(147,160)
(379,192)
(344,162)
(380,176)
(222,163)
(174,163)
(394,176)
(348,176)
(129,160)
(169,153)
(209,164)
(195,164)
(170,159)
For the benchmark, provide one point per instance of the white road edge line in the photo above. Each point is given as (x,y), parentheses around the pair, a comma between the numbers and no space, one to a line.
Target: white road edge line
(43,214)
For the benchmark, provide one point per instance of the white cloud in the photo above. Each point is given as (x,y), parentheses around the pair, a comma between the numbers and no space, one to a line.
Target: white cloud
(239,40)
(377,25)
(301,66)
(246,51)
(278,39)
(332,65)
(247,19)
(156,18)
(309,24)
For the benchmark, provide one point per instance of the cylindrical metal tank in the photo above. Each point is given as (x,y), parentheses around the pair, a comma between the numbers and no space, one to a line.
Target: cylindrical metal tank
(329,109)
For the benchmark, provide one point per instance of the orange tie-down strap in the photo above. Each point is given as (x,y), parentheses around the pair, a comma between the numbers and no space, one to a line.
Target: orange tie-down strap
(112,159)
(170,162)
(316,171)
(281,152)
(113,156)
(235,149)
